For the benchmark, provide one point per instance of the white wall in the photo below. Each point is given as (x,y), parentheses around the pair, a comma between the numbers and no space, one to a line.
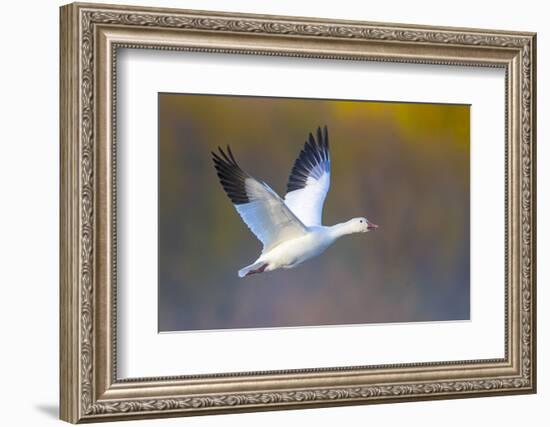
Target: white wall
(29,169)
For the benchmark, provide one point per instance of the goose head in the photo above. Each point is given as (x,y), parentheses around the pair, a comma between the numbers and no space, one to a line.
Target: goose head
(361,225)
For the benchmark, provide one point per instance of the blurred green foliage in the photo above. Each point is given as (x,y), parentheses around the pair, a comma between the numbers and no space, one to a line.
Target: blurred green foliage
(405,166)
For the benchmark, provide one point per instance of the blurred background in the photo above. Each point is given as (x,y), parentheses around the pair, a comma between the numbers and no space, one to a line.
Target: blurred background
(405,166)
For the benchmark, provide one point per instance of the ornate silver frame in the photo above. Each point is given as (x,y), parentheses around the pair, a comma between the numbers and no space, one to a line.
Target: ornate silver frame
(90,36)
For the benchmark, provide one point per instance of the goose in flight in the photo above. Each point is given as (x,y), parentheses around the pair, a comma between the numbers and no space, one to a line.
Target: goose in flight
(290,229)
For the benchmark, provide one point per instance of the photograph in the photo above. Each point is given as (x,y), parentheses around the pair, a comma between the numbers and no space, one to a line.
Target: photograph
(293,212)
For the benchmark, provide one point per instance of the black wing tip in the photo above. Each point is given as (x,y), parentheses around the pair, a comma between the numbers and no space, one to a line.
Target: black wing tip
(319,144)
(322,137)
(231,176)
(314,152)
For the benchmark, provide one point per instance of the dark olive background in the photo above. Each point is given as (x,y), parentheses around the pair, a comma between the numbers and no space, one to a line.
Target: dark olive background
(404,166)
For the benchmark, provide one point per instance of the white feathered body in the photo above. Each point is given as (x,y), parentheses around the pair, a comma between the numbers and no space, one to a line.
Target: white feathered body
(293,252)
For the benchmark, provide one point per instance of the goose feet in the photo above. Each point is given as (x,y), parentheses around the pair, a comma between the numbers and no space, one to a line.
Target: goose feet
(258,270)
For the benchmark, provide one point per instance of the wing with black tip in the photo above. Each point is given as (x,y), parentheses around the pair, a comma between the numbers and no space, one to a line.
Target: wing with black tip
(262,210)
(309,180)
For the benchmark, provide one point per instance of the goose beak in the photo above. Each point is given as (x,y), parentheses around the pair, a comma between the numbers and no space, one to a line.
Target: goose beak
(371,226)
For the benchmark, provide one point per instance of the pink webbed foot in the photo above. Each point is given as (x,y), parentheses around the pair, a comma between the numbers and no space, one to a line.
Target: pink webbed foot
(258,270)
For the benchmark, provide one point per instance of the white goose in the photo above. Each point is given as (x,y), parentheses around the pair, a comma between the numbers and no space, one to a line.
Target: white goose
(290,229)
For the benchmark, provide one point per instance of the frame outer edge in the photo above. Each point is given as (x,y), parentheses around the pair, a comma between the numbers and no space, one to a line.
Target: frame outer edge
(69,354)
(533,112)
(78,299)
(305,19)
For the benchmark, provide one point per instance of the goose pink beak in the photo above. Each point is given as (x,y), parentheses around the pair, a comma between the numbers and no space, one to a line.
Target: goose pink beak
(371,226)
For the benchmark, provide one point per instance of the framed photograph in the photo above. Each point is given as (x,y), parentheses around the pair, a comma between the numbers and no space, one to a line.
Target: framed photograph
(265,212)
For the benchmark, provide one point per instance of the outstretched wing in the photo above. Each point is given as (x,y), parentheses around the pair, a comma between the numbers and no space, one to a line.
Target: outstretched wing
(309,180)
(262,210)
